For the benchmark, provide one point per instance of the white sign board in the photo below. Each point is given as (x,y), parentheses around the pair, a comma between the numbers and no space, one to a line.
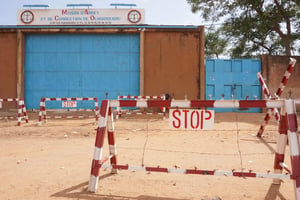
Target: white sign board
(80,16)
(0,104)
(191,119)
(69,104)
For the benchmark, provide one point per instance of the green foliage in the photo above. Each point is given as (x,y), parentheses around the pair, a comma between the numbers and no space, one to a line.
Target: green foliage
(214,44)
(255,26)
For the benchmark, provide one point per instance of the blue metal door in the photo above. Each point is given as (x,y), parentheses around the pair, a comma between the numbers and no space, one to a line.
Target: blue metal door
(80,65)
(233,79)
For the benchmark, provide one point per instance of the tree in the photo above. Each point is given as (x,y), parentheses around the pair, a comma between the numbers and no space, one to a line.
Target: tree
(253,26)
(214,44)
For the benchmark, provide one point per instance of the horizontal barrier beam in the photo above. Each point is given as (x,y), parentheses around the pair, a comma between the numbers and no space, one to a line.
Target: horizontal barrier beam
(198,103)
(249,174)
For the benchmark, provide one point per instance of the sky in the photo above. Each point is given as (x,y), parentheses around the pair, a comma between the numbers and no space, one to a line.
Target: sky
(158,12)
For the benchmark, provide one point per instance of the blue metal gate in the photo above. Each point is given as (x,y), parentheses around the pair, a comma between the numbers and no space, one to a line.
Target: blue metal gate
(80,65)
(233,78)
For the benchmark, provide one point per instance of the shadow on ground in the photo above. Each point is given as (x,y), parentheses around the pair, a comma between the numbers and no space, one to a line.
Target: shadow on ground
(80,192)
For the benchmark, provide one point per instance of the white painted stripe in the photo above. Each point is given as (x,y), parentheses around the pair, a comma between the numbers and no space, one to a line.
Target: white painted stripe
(223,173)
(275,103)
(297,101)
(226,104)
(112,150)
(181,103)
(106,166)
(293,143)
(287,74)
(297,192)
(177,170)
(289,106)
(102,122)
(98,153)
(141,104)
(136,168)
(114,103)
(281,143)
(271,175)
(93,183)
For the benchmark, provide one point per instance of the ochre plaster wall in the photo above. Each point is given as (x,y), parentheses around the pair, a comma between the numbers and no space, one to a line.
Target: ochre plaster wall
(8,65)
(172,64)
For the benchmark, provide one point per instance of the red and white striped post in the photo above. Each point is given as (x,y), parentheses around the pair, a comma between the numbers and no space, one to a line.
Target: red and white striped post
(111,139)
(293,138)
(278,93)
(21,109)
(281,144)
(97,158)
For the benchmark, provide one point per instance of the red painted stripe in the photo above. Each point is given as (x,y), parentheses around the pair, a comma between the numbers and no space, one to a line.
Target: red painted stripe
(290,68)
(252,104)
(244,174)
(261,130)
(156,169)
(295,163)
(113,160)
(266,92)
(284,80)
(298,183)
(100,137)
(121,167)
(267,118)
(159,103)
(103,108)
(292,122)
(278,159)
(127,103)
(261,81)
(202,103)
(279,92)
(277,116)
(282,129)
(202,172)
(95,167)
(111,138)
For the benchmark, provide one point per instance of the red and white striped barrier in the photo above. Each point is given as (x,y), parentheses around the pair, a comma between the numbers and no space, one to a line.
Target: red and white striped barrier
(106,120)
(278,93)
(21,109)
(270,111)
(129,97)
(293,139)
(198,103)
(43,115)
(244,174)
(281,145)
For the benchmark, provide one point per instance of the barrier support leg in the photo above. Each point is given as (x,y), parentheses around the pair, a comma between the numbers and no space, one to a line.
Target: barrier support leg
(111,140)
(97,158)
(42,106)
(96,109)
(294,145)
(24,111)
(281,144)
(19,112)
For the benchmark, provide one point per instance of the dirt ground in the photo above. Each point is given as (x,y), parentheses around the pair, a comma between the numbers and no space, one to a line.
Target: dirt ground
(53,161)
